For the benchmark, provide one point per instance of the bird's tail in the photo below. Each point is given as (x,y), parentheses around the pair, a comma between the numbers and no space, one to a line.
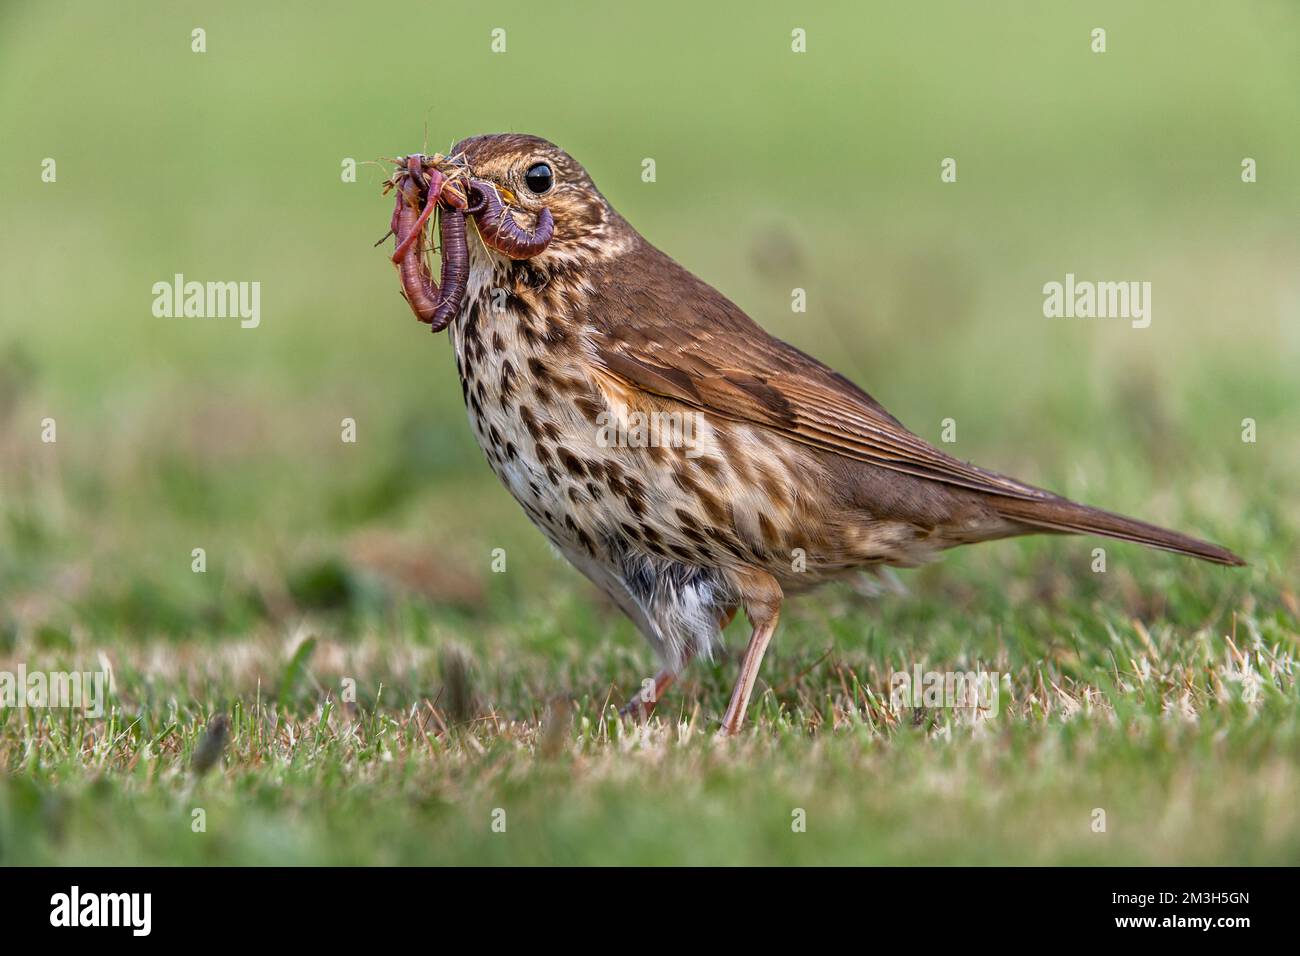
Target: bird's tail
(1063,515)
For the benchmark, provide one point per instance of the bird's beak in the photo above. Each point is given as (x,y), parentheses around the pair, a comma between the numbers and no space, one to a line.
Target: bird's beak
(508,196)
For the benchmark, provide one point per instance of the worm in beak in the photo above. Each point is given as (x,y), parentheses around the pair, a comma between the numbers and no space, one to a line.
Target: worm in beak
(422,190)
(498,227)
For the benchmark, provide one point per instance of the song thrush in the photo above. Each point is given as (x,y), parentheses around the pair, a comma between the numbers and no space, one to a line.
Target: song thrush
(781,474)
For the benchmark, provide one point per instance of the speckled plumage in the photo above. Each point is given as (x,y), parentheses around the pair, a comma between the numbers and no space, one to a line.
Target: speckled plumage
(792,474)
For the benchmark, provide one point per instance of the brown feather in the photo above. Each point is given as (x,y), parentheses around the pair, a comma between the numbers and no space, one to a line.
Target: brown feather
(661,330)
(1071,518)
(677,337)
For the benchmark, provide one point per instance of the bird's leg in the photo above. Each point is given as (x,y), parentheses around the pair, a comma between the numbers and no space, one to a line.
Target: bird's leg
(761,595)
(642,705)
(639,705)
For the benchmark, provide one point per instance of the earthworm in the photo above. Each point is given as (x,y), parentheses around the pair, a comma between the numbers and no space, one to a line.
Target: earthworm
(424,191)
(436,304)
(434,188)
(499,229)
(455,266)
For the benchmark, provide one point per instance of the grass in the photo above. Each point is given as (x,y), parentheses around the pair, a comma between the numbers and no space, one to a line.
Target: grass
(1160,691)
(1180,725)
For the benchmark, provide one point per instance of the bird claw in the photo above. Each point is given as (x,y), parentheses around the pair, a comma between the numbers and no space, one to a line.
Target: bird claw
(637,708)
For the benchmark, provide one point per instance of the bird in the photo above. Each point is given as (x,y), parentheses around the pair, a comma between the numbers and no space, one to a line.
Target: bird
(771,473)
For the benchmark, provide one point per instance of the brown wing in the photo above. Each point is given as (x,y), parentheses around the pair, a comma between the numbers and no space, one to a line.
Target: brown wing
(663,331)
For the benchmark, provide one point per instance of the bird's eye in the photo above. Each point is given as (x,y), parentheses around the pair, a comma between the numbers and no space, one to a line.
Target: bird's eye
(539,177)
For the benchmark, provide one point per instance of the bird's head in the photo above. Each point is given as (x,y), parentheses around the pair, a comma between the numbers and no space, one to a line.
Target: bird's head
(535,180)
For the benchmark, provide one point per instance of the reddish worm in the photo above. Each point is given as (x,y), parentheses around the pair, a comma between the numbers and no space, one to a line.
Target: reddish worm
(423,190)
(499,229)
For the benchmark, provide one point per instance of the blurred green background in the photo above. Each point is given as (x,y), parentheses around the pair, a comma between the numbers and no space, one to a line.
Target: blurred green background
(818,170)
(775,170)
